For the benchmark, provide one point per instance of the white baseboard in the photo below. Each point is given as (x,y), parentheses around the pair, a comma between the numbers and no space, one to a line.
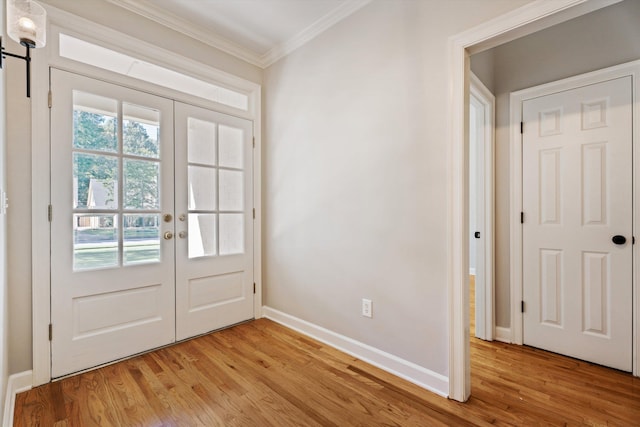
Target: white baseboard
(404,369)
(503,334)
(17,383)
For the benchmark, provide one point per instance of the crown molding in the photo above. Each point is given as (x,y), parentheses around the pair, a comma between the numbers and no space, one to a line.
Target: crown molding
(146,9)
(312,31)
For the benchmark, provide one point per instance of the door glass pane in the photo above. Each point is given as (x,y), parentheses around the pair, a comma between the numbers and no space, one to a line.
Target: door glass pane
(95,241)
(231,147)
(94,122)
(95,181)
(141,179)
(201,139)
(231,190)
(231,234)
(202,188)
(202,235)
(140,131)
(141,239)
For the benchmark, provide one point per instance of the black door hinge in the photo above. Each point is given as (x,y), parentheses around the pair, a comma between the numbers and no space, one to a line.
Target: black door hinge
(521,127)
(521,306)
(254,288)
(521,217)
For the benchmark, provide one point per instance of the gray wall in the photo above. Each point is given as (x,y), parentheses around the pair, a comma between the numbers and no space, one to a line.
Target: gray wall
(4,297)
(601,39)
(19,150)
(355,167)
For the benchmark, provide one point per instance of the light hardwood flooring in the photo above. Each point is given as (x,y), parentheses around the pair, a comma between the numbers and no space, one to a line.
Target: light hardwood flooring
(262,374)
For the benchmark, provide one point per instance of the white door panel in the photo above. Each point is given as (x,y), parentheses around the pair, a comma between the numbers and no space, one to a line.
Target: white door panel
(577,283)
(214,251)
(112,288)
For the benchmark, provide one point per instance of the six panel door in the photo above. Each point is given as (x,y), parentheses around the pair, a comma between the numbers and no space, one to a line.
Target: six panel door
(577,195)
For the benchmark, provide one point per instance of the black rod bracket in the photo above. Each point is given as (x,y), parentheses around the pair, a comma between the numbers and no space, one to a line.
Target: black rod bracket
(26,58)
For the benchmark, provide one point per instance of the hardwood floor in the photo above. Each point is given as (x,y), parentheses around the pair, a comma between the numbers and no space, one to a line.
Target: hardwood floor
(262,374)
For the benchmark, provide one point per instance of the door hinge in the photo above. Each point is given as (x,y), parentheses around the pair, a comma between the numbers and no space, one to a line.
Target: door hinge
(254,287)
(50,332)
(522,127)
(521,217)
(254,142)
(521,306)
(50,213)
(50,99)
(633,240)
(254,213)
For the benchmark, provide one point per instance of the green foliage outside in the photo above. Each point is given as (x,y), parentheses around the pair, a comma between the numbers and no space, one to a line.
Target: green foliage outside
(98,133)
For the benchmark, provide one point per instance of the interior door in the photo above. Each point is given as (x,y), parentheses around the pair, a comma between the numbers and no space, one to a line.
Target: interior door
(214,203)
(577,232)
(112,258)
(477,196)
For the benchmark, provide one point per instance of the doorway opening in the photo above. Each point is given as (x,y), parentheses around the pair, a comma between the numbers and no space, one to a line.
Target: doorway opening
(509,27)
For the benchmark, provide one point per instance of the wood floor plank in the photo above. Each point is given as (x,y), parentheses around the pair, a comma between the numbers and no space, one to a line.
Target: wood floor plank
(263,374)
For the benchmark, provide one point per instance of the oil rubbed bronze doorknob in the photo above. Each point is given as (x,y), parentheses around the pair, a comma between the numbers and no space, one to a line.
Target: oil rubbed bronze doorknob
(619,240)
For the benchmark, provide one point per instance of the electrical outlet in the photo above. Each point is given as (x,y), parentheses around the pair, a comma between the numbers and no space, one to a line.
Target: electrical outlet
(367,307)
(4,202)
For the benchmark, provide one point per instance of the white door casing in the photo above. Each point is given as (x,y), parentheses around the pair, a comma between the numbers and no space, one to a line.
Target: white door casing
(577,195)
(115,297)
(214,250)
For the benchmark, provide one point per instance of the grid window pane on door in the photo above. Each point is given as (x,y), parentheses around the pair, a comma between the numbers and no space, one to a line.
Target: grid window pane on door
(215,189)
(116,178)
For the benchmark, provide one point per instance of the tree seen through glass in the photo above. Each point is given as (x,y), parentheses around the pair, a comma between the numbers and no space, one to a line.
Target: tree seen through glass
(96,175)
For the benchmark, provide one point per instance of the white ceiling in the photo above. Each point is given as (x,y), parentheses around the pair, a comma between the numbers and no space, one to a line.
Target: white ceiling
(258,31)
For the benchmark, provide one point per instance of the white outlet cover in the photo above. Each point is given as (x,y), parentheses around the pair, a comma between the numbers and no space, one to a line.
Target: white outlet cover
(367,307)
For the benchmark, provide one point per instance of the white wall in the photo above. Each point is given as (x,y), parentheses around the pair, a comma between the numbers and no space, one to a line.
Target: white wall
(355,175)
(19,150)
(603,38)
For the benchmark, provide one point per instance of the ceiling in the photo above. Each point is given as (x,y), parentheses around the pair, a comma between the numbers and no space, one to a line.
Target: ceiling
(258,31)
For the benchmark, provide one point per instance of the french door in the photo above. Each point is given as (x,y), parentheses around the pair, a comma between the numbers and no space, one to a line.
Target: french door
(214,265)
(151,237)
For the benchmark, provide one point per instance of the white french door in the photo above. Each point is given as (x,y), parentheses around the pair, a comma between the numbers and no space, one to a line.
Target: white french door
(214,262)
(122,282)
(577,233)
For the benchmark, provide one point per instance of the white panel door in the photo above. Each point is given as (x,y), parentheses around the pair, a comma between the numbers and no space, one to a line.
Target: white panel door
(112,272)
(214,203)
(477,209)
(577,284)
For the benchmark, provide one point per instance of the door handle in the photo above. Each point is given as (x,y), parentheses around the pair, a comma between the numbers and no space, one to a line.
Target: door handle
(619,240)
(167,217)
(168,235)
(182,234)
(476,234)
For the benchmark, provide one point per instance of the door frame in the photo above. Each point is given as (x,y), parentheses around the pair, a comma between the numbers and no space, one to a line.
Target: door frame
(46,57)
(484,304)
(631,69)
(520,22)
